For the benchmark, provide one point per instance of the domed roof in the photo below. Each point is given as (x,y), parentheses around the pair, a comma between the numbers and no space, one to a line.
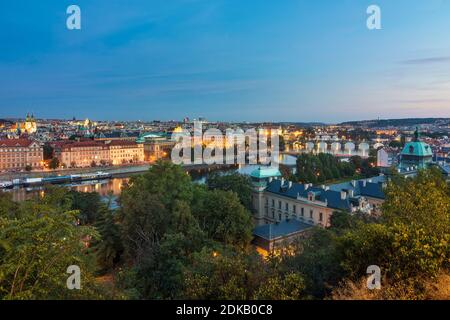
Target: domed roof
(417,147)
(265,172)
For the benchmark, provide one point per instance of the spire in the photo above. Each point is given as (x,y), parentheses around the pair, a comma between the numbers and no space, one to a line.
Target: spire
(416,134)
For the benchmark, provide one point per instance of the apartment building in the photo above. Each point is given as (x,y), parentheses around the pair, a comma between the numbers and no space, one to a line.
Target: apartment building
(20,154)
(93,153)
(122,152)
(82,154)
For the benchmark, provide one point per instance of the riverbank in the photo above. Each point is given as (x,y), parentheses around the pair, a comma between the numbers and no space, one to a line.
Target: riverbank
(115,171)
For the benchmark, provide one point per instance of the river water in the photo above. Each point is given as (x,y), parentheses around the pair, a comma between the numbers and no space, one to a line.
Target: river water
(114,186)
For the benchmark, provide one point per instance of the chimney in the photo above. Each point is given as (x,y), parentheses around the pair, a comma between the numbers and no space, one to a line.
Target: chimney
(306,186)
(364,183)
(282,181)
(270,179)
(351,193)
(354,183)
(290,184)
(343,195)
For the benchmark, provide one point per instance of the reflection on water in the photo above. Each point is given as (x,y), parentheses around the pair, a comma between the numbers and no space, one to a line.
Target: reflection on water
(103,187)
(114,186)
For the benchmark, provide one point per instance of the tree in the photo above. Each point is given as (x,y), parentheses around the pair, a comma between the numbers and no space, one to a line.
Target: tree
(223,274)
(39,241)
(54,164)
(322,168)
(168,182)
(108,247)
(48,152)
(411,241)
(288,287)
(235,182)
(87,204)
(418,214)
(144,221)
(318,260)
(28,168)
(223,218)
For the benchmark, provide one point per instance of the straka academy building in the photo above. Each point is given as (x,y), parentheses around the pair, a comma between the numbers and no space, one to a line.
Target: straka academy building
(285,211)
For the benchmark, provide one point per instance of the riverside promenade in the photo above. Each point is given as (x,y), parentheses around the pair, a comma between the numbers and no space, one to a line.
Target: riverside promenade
(115,171)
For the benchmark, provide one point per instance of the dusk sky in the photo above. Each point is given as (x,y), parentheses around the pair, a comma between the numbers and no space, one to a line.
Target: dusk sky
(231,60)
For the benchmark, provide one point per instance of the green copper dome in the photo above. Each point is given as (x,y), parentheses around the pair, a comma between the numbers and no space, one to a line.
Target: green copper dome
(417,147)
(265,172)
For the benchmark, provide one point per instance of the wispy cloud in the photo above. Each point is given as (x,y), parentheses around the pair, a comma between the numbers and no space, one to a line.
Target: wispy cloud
(427,60)
(422,101)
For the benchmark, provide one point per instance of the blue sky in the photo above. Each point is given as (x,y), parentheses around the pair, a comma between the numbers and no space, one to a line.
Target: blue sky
(237,60)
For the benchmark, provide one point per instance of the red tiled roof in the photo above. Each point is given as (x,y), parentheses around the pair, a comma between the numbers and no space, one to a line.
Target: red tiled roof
(15,142)
(82,144)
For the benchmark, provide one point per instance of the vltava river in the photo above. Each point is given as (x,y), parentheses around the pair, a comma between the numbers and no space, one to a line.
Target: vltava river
(114,186)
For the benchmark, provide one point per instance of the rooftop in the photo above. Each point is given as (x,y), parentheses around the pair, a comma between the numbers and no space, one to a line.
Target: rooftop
(265,172)
(15,142)
(280,230)
(417,147)
(331,195)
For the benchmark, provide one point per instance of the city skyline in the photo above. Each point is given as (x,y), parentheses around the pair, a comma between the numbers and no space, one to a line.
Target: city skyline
(234,61)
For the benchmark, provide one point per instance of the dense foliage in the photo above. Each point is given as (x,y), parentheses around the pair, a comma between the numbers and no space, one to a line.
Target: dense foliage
(39,240)
(174,239)
(184,240)
(325,167)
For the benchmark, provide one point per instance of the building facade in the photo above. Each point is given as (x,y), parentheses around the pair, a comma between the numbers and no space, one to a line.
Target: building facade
(276,200)
(93,153)
(82,154)
(156,146)
(387,157)
(20,154)
(123,152)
